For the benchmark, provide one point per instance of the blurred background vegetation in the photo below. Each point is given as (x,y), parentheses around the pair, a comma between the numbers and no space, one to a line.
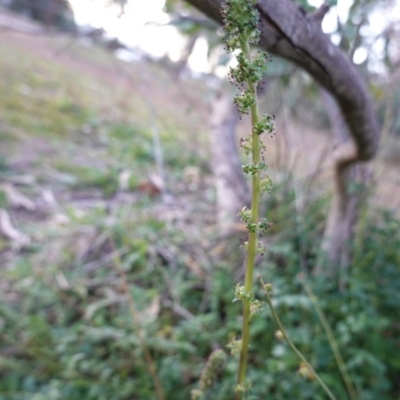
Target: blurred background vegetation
(108,229)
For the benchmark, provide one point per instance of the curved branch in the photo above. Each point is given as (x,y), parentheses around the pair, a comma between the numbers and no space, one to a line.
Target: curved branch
(288,32)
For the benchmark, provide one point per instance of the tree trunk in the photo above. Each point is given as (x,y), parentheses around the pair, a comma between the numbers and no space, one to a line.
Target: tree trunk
(231,188)
(289,32)
(343,210)
(187,51)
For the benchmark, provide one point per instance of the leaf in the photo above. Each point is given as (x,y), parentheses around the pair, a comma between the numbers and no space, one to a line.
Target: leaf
(98,305)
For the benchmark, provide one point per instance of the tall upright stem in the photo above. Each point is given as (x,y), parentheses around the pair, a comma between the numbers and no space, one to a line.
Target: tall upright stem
(292,346)
(252,242)
(332,342)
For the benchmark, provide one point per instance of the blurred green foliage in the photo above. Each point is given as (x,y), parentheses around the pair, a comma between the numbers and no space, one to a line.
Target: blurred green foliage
(76,340)
(65,328)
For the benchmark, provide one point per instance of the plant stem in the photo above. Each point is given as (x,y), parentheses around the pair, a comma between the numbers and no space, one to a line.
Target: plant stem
(252,242)
(332,342)
(293,347)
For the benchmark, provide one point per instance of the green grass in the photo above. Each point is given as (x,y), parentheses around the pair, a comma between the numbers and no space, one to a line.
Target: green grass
(32,99)
(65,332)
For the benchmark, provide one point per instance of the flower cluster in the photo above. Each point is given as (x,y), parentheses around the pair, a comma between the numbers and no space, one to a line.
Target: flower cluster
(240,19)
(242,295)
(235,346)
(268,287)
(243,388)
(240,22)
(245,214)
(244,101)
(246,145)
(255,308)
(208,375)
(305,372)
(264,124)
(261,226)
(259,247)
(266,184)
(253,169)
(249,71)
(279,335)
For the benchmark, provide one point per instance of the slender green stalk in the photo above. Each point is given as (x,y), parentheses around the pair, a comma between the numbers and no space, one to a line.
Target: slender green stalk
(290,343)
(332,342)
(251,249)
(240,19)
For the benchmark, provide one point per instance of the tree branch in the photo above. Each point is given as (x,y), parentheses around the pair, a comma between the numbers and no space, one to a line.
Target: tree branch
(288,32)
(178,19)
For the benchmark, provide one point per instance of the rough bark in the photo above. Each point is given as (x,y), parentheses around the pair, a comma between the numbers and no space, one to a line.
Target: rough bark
(345,204)
(288,32)
(232,191)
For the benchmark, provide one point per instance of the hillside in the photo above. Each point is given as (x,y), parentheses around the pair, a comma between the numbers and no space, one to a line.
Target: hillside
(97,257)
(58,94)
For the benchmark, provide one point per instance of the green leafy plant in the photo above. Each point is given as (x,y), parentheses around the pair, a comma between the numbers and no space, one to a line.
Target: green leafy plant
(306,369)
(66,330)
(101,357)
(240,24)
